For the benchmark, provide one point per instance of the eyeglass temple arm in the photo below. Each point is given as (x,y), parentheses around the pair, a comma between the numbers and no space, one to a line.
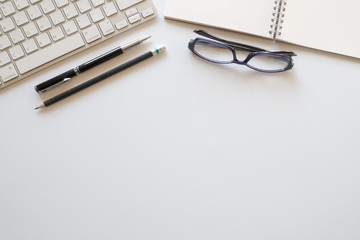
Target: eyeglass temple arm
(234,44)
(241,46)
(287,53)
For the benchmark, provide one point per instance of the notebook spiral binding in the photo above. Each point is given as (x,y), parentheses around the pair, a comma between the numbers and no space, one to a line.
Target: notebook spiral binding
(277,18)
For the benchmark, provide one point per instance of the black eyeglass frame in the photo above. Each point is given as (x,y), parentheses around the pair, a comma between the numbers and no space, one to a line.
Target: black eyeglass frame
(285,56)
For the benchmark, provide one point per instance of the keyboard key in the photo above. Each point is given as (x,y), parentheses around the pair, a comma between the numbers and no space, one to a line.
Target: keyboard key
(57,17)
(34,12)
(121,24)
(4,58)
(83,6)
(70,27)
(147,12)
(49,53)
(70,11)
(4,42)
(83,21)
(43,40)
(30,46)
(30,30)
(96,15)
(47,6)
(43,23)
(131,12)
(123,4)
(8,72)
(134,18)
(21,4)
(106,27)
(17,36)
(91,34)
(61,3)
(109,9)
(7,25)
(57,34)
(20,18)
(97,2)
(7,8)
(16,52)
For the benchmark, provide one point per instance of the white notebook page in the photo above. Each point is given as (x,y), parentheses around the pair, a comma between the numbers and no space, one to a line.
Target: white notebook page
(249,16)
(332,26)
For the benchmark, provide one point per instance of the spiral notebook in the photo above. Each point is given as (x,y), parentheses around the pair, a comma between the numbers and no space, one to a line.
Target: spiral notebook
(332,26)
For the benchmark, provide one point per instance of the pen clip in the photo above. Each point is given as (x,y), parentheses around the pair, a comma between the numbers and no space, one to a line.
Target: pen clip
(54,85)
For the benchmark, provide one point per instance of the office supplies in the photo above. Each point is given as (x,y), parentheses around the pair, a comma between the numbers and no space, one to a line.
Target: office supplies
(35,34)
(64,77)
(101,77)
(325,25)
(223,51)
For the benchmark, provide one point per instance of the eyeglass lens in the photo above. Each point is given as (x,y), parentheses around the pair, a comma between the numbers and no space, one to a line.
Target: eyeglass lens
(213,52)
(268,63)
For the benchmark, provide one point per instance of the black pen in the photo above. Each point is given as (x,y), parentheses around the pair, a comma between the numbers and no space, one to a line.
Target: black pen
(101,77)
(63,77)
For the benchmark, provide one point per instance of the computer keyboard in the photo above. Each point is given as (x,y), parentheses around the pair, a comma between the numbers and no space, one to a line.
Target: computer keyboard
(37,33)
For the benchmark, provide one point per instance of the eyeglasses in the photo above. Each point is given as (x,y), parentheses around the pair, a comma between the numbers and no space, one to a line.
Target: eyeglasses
(223,51)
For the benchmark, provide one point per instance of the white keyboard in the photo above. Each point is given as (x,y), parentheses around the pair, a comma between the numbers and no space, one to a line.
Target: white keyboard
(37,33)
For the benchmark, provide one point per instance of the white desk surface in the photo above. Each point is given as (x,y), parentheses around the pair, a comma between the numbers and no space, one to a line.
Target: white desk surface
(178,148)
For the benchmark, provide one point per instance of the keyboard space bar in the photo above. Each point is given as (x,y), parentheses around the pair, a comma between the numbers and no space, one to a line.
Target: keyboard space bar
(47,54)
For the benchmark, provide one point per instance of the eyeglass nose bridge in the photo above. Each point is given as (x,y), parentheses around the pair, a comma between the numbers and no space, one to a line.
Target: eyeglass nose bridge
(245,61)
